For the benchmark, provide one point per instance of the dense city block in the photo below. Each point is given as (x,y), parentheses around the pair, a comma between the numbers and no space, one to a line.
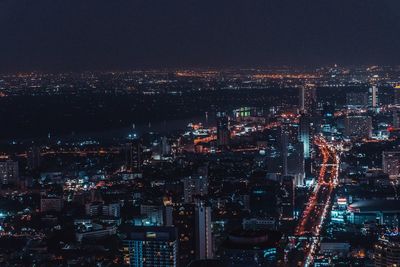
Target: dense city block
(201,167)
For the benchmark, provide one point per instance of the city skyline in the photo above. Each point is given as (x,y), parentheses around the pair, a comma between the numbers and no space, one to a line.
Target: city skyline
(192,133)
(273,167)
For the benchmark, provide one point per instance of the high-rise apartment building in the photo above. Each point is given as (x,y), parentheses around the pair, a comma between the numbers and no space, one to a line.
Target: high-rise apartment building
(151,246)
(387,251)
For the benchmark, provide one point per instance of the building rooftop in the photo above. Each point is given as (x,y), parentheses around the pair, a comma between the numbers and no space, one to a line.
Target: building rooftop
(149,233)
(244,239)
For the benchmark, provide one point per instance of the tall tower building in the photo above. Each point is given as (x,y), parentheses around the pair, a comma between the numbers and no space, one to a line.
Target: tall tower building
(304,135)
(133,156)
(296,163)
(374,96)
(184,220)
(287,198)
(285,144)
(34,158)
(302,97)
(307,98)
(223,133)
(194,186)
(204,249)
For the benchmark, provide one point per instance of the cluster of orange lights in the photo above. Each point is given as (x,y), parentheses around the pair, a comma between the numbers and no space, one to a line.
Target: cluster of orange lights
(285,76)
(205,139)
(312,209)
(199,74)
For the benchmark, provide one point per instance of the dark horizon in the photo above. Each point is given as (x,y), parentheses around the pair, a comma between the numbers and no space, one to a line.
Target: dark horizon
(171,69)
(75,35)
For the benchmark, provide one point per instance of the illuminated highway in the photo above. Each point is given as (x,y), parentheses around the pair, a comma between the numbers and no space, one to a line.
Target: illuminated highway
(314,215)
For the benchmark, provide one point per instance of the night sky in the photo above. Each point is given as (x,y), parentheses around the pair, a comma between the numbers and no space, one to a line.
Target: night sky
(122,34)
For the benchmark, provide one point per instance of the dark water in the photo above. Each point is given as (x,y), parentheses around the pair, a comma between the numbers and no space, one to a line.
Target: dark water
(164,127)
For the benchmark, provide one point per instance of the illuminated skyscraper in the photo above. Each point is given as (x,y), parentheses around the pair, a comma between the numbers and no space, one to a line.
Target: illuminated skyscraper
(304,135)
(296,163)
(374,96)
(287,198)
(195,234)
(133,155)
(184,220)
(151,246)
(307,98)
(204,249)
